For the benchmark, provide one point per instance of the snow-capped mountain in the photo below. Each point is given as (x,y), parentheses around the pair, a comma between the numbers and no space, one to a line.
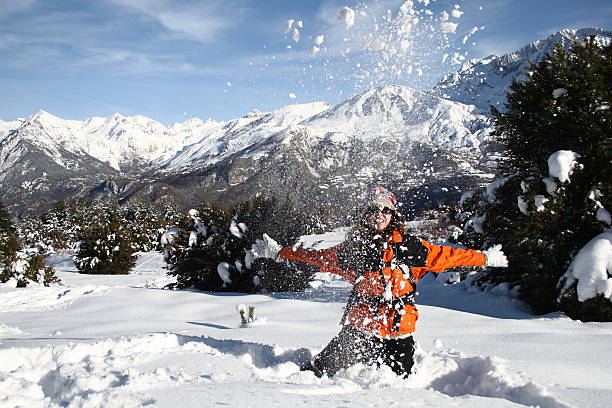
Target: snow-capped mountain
(486,81)
(421,144)
(217,141)
(121,142)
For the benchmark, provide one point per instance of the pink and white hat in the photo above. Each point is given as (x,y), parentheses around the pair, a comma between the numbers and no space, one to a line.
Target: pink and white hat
(380,197)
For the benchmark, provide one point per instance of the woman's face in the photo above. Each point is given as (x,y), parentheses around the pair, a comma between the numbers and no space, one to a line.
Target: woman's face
(379,218)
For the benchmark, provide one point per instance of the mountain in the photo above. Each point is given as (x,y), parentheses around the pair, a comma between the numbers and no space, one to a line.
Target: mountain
(486,81)
(392,135)
(424,145)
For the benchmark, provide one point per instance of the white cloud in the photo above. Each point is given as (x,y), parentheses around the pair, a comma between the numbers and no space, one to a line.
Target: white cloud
(203,22)
(10,7)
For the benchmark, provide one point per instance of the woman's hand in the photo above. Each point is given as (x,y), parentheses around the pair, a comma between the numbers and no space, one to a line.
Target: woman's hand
(496,257)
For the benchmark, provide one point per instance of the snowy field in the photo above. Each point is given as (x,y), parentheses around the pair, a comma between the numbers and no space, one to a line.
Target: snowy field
(123,341)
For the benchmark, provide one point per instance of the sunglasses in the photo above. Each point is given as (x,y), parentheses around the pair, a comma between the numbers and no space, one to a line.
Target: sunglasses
(374,210)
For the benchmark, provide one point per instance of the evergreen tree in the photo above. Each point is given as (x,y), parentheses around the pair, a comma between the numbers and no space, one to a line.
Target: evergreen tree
(145,223)
(106,244)
(543,221)
(211,248)
(7,226)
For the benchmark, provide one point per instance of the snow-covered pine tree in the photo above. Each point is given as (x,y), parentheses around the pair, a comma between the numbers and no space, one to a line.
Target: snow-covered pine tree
(20,267)
(280,220)
(211,249)
(105,245)
(541,216)
(145,223)
(196,248)
(7,224)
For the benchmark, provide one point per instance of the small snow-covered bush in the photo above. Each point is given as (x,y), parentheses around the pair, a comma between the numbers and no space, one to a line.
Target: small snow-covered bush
(21,267)
(211,248)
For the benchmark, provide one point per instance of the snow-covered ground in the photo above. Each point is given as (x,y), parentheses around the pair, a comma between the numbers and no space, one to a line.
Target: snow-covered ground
(123,341)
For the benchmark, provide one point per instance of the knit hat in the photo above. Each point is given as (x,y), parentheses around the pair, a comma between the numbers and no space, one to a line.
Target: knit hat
(379,197)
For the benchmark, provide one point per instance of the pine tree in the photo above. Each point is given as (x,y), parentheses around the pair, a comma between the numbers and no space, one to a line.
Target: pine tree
(541,221)
(7,224)
(211,248)
(106,244)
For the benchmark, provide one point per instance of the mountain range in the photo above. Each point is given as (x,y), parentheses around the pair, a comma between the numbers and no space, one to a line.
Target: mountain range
(424,145)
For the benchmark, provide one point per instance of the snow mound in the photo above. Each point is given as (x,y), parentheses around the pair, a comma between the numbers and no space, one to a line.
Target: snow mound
(591,268)
(8,330)
(78,375)
(456,374)
(37,298)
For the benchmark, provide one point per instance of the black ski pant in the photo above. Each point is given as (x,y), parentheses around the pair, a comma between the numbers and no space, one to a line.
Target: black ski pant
(352,346)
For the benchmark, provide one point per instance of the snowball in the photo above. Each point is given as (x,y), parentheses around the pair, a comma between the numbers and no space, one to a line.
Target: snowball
(559,92)
(288,25)
(591,268)
(223,269)
(448,27)
(346,17)
(561,164)
(292,95)
(296,35)
(319,39)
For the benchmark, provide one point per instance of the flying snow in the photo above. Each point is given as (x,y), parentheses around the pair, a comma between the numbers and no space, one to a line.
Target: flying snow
(346,17)
(288,25)
(296,35)
(448,27)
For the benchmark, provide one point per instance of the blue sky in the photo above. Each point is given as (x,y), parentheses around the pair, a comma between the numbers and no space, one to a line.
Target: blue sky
(172,59)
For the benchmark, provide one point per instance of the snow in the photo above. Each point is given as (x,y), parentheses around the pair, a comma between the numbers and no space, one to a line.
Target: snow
(539,201)
(522,205)
(559,92)
(561,164)
(295,36)
(492,188)
(448,27)
(604,216)
(124,341)
(346,17)
(591,268)
(223,269)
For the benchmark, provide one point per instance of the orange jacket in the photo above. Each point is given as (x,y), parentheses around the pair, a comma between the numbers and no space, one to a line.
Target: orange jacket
(386,308)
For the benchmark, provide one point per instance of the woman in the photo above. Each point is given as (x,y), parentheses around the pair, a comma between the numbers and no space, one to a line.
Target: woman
(384,263)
